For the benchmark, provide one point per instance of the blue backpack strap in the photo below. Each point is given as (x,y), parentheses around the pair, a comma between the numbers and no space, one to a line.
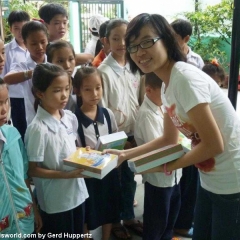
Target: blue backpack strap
(107,116)
(80,128)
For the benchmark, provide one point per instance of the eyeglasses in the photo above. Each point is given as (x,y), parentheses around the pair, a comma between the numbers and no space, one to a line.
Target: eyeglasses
(144,45)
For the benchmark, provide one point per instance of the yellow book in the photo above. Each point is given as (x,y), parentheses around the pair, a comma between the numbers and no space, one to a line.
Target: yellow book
(95,164)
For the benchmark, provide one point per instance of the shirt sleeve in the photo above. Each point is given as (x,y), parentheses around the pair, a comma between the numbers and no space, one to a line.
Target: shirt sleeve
(24,157)
(192,89)
(35,141)
(106,89)
(17,67)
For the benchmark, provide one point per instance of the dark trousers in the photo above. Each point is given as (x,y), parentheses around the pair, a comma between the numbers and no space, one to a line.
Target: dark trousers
(128,189)
(161,206)
(71,222)
(18,115)
(188,185)
(217,216)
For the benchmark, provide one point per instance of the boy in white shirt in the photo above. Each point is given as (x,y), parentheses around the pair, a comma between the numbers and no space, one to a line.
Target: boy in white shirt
(16,52)
(162,193)
(183,30)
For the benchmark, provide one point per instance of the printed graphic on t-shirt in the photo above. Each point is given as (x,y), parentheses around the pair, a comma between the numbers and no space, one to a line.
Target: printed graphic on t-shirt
(190,132)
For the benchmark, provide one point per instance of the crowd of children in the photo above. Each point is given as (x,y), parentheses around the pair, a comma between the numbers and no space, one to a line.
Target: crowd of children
(56,107)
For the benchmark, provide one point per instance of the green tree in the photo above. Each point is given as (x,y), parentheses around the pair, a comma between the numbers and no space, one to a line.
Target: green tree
(211,27)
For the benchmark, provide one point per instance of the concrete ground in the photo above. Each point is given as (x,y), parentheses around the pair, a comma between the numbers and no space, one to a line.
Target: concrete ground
(96,234)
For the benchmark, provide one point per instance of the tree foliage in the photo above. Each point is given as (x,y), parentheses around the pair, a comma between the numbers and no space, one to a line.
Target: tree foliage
(211,28)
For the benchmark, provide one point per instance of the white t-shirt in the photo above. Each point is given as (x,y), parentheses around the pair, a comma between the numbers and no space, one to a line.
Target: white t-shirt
(121,92)
(149,126)
(194,59)
(14,54)
(49,141)
(188,87)
(29,99)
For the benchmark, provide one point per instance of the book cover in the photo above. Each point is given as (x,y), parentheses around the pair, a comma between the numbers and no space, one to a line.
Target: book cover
(94,163)
(156,158)
(112,141)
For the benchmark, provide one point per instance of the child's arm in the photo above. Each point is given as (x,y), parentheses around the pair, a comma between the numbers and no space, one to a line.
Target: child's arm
(83,58)
(37,217)
(17,77)
(35,171)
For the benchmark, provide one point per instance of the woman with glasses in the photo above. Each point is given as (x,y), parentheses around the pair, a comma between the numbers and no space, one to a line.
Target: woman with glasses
(196,106)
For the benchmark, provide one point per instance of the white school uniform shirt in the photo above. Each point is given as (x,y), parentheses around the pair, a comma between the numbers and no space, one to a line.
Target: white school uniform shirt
(188,87)
(93,129)
(49,141)
(194,59)
(121,92)
(14,54)
(29,99)
(149,126)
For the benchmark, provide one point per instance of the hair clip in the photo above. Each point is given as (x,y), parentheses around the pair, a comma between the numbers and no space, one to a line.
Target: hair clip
(38,20)
(215,62)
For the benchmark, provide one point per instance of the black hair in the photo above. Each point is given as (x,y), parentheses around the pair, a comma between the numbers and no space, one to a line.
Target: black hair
(113,24)
(152,80)
(33,26)
(81,74)
(214,69)
(182,27)
(102,34)
(43,76)
(162,28)
(55,46)
(17,16)
(49,11)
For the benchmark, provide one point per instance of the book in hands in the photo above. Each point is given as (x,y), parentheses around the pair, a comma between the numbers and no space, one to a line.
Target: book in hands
(112,141)
(94,163)
(156,158)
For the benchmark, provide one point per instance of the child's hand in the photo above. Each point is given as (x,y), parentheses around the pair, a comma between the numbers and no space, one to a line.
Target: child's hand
(37,219)
(74,174)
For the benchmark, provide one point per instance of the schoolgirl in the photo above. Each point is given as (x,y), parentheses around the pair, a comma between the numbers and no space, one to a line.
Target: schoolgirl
(102,207)
(49,139)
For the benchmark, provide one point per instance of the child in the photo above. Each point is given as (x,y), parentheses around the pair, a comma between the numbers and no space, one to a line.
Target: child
(15,51)
(62,54)
(94,24)
(121,91)
(17,207)
(49,139)
(197,107)
(102,206)
(183,30)
(56,20)
(215,71)
(102,48)
(161,192)
(34,35)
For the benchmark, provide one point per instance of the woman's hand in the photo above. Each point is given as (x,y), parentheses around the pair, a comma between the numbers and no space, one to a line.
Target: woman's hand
(120,153)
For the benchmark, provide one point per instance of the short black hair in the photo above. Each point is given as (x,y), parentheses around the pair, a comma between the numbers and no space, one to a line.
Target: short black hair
(182,27)
(152,80)
(55,46)
(33,26)
(49,11)
(17,16)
